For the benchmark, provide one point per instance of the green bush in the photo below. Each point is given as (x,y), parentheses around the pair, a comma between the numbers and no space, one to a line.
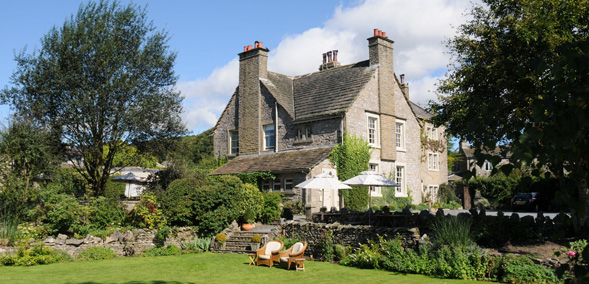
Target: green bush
(451,231)
(198,245)
(296,207)
(161,235)
(519,272)
(326,249)
(339,252)
(161,251)
(148,213)
(210,203)
(256,239)
(289,242)
(221,237)
(105,213)
(271,209)
(97,253)
(60,213)
(287,213)
(36,255)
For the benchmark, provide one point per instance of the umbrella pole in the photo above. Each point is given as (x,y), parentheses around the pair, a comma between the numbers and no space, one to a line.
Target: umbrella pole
(369,205)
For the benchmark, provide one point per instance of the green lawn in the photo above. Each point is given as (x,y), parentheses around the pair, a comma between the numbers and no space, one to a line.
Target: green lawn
(200,268)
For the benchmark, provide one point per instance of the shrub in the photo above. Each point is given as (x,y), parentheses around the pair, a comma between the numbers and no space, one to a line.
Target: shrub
(161,235)
(339,252)
(289,242)
(97,253)
(8,230)
(271,209)
(60,213)
(256,239)
(451,231)
(326,250)
(482,203)
(29,256)
(210,203)
(161,251)
(287,214)
(519,272)
(149,215)
(105,212)
(221,237)
(296,207)
(198,245)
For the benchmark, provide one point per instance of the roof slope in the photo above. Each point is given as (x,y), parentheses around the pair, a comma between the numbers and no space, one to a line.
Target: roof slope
(281,162)
(419,111)
(330,91)
(280,86)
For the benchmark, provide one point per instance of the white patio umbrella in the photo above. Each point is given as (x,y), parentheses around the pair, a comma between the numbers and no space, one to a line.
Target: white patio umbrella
(370,178)
(134,184)
(323,181)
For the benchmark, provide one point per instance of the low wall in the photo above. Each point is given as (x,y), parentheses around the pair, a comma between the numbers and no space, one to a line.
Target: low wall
(347,235)
(129,243)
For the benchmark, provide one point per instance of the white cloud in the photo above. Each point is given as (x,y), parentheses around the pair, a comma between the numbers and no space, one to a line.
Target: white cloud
(418,28)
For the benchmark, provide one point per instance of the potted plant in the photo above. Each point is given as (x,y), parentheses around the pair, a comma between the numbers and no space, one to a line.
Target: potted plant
(248,220)
(221,238)
(256,240)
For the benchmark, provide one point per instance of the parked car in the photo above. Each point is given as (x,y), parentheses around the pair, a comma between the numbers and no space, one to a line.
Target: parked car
(532,201)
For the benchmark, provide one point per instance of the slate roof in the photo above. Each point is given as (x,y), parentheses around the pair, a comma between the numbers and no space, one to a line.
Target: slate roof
(498,151)
(419,111)
(281,162)
(329,92)
(281,87)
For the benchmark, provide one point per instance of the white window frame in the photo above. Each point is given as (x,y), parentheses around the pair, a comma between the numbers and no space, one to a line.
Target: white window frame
(433,190)
(401,180)
(268,138)
(431,132)
(487,166)
(400,136)
(375,190)
(233,151)
(277,182)
(433,161)
(373,117)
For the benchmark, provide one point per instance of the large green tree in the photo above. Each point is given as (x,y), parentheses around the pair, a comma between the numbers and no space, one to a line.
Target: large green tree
(521,77)
(103,77)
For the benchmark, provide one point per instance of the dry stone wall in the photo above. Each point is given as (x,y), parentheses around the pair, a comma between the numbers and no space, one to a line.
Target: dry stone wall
(129,243)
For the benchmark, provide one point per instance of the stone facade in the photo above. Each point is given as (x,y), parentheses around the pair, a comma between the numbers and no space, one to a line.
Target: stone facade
(315,110)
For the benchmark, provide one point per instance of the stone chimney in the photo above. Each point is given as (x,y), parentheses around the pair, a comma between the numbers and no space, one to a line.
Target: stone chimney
(404,86)
(380,49)
(253,65)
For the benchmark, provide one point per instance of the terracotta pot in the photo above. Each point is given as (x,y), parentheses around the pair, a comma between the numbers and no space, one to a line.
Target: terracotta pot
(247,227)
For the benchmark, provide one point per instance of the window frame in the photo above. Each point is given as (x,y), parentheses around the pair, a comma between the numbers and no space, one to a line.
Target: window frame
(268,138)
(433,161)
(400,190)
(373,117)
(231,140)
(400,143)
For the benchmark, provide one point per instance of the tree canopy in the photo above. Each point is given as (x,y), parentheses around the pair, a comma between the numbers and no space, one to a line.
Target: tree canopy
(106,76)
(521,78)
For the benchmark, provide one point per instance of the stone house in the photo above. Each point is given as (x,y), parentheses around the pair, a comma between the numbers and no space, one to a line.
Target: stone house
(288,124)
(468,161)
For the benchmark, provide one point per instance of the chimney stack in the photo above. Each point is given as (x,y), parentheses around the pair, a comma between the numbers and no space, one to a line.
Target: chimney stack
(329,60)
(253,66)
(404,86)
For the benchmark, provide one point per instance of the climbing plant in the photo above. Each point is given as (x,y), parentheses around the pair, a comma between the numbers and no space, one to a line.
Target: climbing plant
(351,157)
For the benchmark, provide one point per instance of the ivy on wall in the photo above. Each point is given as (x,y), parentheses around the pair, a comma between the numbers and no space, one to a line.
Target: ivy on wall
(351,157)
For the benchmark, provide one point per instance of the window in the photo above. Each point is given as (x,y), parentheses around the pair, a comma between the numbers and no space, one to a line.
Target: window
(487,166)
(269,136)
(432,133)
(373,130)
(374,190)
(304,133)
(433,193)
(266,185)
(233,142)
(277,185)
(288,184)
(433,161)
(400,180)
(400,134)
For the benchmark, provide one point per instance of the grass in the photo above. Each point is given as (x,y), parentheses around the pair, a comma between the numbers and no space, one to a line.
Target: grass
(200,268)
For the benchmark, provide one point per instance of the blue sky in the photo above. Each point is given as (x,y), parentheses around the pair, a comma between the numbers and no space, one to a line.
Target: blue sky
(208,35)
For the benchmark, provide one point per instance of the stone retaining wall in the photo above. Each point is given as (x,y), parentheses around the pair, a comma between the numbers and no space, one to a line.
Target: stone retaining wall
(347,235)
(127,243)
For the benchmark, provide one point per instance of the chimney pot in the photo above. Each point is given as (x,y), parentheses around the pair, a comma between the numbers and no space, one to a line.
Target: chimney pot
(335,55)
(402,78)
(324,58)
(260,44)
(384,34)
(375,32)
(329,56)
